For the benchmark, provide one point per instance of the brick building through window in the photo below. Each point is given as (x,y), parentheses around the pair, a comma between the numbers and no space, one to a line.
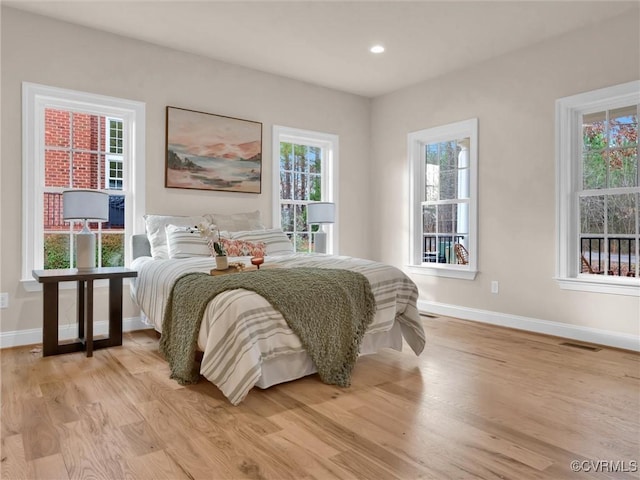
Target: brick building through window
(83,151)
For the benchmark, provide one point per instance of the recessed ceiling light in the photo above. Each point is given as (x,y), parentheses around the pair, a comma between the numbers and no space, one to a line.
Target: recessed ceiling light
(377,49)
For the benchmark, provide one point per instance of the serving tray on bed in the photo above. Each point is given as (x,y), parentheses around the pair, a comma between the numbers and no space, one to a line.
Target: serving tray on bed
(233,269)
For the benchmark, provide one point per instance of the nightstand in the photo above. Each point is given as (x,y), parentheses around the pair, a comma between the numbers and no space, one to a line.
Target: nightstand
(51,279)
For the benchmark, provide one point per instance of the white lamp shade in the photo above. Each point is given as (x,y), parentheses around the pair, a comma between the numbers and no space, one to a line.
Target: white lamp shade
(321,212)
(85,205)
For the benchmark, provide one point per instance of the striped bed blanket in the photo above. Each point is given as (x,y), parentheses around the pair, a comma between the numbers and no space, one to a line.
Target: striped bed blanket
(240,330)
(328,309)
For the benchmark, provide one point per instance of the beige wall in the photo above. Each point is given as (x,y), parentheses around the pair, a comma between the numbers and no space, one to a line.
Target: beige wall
(514,98)
(45,51)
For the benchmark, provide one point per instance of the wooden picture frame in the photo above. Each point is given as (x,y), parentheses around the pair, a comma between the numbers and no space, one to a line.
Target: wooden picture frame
(205,151)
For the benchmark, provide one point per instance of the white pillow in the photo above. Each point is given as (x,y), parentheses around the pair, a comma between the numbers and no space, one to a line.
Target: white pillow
(184,242)
(155,226)
(236,221)
(275,239)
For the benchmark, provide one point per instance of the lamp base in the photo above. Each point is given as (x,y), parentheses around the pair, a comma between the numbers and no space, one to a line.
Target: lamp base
(85,250)
(320,242)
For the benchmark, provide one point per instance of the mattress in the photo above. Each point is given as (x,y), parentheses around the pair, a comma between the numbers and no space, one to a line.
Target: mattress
(246,342)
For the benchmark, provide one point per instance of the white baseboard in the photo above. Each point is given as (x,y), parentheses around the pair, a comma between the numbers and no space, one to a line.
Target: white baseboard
(583,334)
(65,332)
(564,330)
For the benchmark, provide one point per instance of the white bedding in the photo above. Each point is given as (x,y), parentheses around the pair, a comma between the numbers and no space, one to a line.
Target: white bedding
(247,343)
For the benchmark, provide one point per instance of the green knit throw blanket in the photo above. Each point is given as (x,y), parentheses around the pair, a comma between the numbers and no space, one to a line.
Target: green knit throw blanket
(329,310)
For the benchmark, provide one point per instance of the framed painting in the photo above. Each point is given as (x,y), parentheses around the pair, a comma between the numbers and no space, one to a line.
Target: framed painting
(212,152)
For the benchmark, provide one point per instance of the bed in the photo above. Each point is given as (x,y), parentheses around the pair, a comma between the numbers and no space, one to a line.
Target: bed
(237,359)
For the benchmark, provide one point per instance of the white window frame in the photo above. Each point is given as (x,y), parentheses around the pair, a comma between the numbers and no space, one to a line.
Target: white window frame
(111,156)
(416,145)
(569,111)
(329,144)
(108,158)
(35,99)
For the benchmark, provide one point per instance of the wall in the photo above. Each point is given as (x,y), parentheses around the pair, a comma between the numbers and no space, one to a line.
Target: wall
(514,98)
(41,50)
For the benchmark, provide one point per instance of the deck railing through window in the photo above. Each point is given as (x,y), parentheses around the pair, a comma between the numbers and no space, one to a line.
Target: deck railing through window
(439,248)
(618,259)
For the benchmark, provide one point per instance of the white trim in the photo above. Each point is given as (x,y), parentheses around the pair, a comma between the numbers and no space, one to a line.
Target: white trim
(546,327)
(35,98)
(601,284)
(443,270)
(33,336)
(415,144)
(330,145)
(567,145)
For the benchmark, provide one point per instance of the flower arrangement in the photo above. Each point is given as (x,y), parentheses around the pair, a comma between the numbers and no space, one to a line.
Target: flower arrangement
(212,234)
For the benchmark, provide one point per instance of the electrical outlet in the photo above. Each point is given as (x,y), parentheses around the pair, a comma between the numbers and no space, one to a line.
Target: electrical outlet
(495,287)
(4,300)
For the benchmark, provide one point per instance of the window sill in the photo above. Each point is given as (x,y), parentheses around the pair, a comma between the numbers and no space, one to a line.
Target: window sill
(449,271)
(614,286)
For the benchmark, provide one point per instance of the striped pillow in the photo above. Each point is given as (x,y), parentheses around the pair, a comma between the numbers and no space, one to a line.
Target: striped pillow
(155,227)
(275,239)
(185,242)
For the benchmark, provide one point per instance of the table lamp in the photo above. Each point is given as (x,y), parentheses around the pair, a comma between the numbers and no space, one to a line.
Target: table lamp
(321,213)
(85,205)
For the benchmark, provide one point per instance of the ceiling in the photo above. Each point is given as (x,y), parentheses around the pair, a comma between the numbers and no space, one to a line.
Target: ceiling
(327,42)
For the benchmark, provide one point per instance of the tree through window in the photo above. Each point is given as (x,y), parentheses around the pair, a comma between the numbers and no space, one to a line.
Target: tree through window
(608,197)
(599,190)
(443,210)
(305,163)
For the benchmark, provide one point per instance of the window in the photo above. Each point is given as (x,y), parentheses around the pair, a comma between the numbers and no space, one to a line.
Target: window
(114,169)
(443,162)
(79,140)
(306,162)
(598,187)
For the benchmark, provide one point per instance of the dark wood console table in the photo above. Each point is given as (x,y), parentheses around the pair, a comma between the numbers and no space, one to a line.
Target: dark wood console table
(51,279)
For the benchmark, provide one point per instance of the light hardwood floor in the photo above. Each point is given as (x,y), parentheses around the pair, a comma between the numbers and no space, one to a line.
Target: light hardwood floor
(480,402)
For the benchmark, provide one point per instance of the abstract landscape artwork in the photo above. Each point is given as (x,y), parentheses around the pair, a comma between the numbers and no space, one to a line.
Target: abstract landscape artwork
(212,152)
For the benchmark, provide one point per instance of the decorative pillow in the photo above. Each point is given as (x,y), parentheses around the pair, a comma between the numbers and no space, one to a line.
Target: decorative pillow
(276,241)
(185,242)
(242,248)
(155,226)
(236,221)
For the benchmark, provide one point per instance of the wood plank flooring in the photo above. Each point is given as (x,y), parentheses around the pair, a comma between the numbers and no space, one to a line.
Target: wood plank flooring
(480,402)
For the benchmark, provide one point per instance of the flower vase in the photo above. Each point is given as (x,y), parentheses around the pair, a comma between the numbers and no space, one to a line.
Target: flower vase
(222,262)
